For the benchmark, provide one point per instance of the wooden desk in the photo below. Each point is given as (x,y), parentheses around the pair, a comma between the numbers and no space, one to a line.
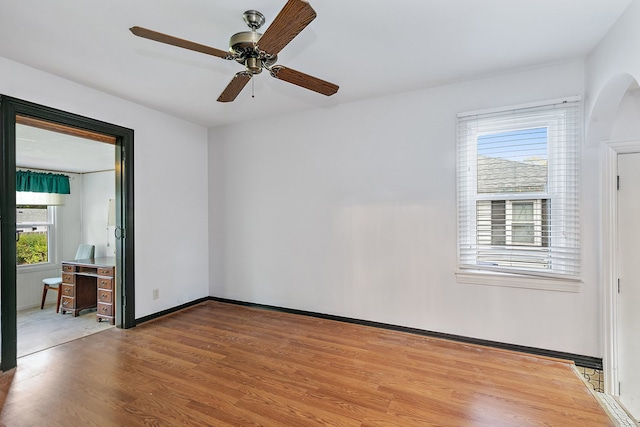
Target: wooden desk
(89,283)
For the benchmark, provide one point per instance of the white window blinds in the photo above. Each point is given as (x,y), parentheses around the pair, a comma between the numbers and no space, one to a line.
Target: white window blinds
(518,189)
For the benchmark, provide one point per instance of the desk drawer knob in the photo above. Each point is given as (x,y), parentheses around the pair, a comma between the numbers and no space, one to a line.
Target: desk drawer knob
(104,309)
(65,302)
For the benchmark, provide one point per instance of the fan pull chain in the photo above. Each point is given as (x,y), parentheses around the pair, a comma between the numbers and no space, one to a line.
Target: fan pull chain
(252,88)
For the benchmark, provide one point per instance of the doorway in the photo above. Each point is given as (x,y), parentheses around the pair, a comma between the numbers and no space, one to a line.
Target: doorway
(628,316)
(52,225)
(13,111)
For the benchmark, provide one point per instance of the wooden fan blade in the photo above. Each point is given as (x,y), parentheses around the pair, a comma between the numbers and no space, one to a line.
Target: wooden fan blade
(292,19)
(303,80)
(235,86)
(175,41)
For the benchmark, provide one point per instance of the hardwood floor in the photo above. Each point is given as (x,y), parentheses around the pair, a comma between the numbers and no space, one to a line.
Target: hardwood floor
(218,364)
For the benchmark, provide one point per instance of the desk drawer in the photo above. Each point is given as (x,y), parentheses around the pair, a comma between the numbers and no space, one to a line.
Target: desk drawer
(68,268)
(68,290)
(105,296)
(105,283)
(105,309)
(68,278)
(105,271)
(68,303)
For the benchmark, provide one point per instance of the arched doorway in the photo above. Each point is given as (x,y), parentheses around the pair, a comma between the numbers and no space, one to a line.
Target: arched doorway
(611,128)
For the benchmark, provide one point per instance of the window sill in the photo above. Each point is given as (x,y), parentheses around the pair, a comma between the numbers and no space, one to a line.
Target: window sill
(478,277)
(38,267)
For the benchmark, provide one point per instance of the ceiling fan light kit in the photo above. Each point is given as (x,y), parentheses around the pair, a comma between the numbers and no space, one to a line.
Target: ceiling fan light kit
(256,51)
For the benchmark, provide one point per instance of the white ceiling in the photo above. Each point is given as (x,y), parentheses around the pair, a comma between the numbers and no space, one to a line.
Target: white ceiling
(52,151)
(369,48)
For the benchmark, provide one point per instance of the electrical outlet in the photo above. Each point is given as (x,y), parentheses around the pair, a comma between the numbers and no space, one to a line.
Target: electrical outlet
(156,293)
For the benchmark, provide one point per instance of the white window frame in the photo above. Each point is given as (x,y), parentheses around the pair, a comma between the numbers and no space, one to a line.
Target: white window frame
(536,222)
(470,271)
(52,241)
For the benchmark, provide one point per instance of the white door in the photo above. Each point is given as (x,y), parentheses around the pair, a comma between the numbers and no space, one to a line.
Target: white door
(629,274)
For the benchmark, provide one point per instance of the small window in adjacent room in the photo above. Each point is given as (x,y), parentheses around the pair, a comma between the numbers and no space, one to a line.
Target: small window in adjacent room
(37,196)
(34,234)
(518,190)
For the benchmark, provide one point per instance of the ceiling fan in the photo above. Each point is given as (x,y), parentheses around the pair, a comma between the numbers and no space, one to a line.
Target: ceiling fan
(257,51)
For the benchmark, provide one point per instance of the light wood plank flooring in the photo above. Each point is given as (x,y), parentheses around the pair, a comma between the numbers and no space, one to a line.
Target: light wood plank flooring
(218,364)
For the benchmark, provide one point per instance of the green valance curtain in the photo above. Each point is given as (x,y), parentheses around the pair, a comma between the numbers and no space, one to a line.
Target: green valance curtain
(40,182)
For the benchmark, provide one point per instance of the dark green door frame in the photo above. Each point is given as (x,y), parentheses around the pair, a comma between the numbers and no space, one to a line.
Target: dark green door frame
(125,307)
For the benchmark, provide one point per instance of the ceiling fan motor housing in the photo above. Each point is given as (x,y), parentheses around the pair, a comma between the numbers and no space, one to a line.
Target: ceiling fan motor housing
(244,42)
(244,46)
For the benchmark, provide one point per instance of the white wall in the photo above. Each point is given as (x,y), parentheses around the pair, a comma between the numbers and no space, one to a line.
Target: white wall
(171,199)
(618,53)
(627,120)
(351,211)
(99,187)
(216,213)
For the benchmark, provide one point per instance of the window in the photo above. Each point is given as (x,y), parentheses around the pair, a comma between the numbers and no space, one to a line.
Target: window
(34,234)
(37,197)
(524,222)
(518,190)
